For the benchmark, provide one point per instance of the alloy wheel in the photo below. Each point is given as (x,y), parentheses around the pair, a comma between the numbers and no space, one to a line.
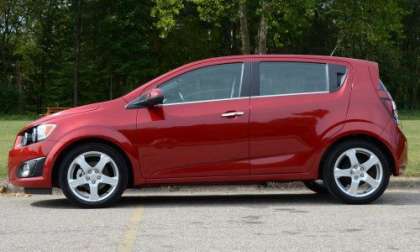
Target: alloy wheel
(93,176)
(358,172)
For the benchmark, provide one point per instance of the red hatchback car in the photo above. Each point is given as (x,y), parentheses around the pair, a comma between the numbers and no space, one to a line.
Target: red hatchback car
(327,121)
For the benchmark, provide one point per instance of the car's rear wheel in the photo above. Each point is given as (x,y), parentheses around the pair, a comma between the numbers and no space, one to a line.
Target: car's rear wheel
(316,186)
(93,175)
(356,171)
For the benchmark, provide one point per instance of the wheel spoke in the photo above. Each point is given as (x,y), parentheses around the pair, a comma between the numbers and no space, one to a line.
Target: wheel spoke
(354,187)
(93,195)
(373,160)
(371,181)
(338,173)
(104,159)
(351,154)
(80,160)
(109,180)
(74,183)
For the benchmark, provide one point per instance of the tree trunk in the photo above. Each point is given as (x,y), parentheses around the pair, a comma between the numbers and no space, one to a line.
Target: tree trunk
(111,88)
(78,27)
(5,35)
(19,87)
(243,22)
(262,31)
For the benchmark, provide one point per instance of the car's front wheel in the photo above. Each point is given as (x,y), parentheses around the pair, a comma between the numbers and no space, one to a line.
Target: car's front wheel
(356,171)
(93,175)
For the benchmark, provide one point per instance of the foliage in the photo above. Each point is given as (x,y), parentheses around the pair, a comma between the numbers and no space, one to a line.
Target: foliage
(166,10)
(124,43)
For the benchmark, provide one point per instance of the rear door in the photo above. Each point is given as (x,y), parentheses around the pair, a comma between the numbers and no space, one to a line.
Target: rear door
(293,105)
(201,129)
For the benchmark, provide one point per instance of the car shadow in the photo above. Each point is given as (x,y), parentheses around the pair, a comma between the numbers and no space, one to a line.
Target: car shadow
(248,200)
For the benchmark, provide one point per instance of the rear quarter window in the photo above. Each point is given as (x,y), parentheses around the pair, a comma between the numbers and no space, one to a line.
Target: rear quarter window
(337,74)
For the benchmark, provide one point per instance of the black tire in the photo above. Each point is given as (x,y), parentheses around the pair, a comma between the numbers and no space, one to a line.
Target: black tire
(316,186)
(328,171)
(96,147)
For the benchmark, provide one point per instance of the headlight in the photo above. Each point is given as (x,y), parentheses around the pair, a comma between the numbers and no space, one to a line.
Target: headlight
(37,133)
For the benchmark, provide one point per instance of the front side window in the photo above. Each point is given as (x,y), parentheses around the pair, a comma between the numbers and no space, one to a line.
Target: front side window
(278,78)
(207,83)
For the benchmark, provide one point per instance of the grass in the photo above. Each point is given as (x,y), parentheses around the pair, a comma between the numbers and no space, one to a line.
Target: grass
(29,117)
(410,123)
(411,127)
(8,130)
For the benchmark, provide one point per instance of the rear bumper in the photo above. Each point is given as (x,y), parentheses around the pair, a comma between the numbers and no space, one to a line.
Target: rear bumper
(401,152)
(20,154)
(397,144)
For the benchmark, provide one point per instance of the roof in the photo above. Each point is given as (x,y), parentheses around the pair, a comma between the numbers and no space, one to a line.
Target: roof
(281,56)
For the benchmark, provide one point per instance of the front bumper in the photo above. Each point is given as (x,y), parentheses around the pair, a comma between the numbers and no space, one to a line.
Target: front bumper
(20,154)
(31,168)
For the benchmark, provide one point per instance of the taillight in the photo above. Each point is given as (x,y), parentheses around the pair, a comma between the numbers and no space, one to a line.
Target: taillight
(388,102)
(391,107)
(395,112)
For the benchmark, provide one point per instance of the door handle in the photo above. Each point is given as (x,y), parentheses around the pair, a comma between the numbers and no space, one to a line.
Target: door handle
(233,114)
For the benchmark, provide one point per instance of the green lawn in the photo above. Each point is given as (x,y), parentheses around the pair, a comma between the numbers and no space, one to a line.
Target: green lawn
(410,125)
(411,129)
(8,130)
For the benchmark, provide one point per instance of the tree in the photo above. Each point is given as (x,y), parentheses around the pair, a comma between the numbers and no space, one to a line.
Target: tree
(272,14)
(11,31)
(68,52)
(77,6)
(371,30)
(410,56)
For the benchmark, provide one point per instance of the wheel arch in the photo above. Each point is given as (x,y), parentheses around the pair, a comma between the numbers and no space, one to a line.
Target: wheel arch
(358,136)
(64,151)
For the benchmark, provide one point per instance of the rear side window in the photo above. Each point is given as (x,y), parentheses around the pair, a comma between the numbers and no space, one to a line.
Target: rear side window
(277,78)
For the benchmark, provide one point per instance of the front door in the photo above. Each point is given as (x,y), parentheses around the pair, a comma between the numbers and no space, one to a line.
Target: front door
(201,129)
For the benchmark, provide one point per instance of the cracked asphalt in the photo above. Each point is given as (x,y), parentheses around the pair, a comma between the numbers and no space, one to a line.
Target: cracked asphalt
(224,220)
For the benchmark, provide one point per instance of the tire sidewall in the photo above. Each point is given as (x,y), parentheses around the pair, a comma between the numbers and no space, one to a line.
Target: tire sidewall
(328,171)
(110,151)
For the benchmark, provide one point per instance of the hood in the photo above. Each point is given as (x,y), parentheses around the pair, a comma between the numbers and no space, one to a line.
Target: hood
(76,110)
(65,113)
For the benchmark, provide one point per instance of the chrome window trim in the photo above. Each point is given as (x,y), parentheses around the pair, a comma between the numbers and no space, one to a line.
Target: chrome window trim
(232,92)
(245,97)
(327,76)
(241,81)
(291,94)
(202,101)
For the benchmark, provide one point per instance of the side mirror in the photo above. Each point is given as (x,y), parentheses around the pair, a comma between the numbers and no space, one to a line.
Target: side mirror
(149,99)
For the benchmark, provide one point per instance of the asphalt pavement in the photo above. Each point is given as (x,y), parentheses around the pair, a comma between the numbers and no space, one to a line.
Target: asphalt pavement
(221,220)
